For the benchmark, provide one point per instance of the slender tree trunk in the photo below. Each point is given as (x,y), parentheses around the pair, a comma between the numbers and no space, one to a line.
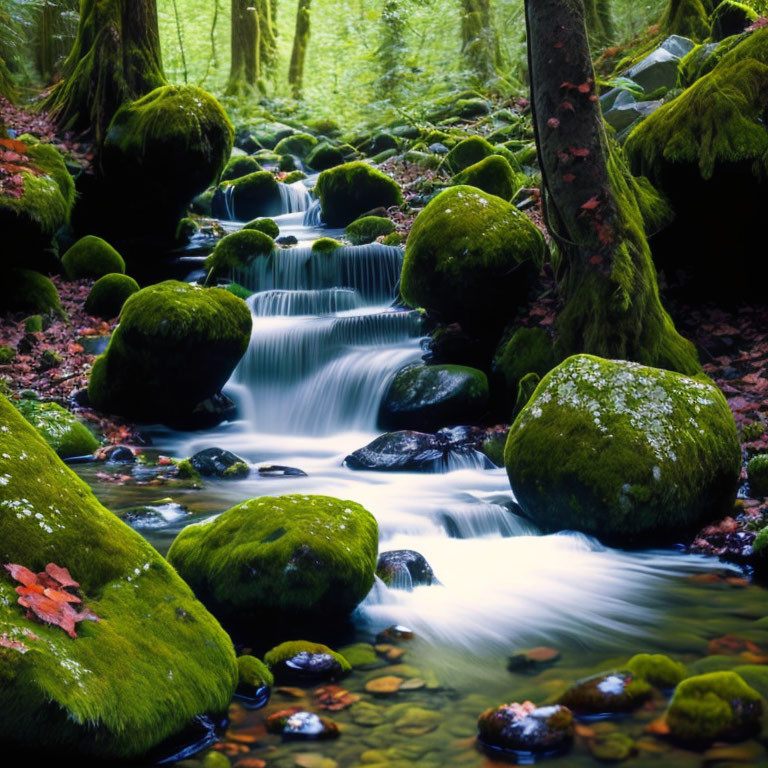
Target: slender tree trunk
(299,52)
(599,21)
(479,41)
(267,12)
(115,58)
(688,18)
(244,68)
(594,207)
(392,50)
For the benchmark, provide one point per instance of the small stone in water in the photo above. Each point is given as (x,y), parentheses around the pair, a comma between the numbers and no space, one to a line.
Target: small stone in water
(308,667)
(298,723)
(526,727)
(612,747)
(391,652)
(532,659)
(414,684)
(396,632)
(384,686)
(276,470)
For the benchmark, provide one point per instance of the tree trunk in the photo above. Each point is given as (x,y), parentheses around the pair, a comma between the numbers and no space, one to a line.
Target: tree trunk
(7,88)
(479,41)
(267,12)
(244,68)
(599,21)
(393,49)
(688,18)
(115,58)
(299,52)
(594,208)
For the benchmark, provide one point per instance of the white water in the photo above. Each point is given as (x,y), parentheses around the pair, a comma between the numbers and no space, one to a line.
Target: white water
(325,345)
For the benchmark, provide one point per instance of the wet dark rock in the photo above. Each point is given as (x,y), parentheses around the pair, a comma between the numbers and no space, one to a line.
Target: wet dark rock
(307,668)
(286,240)
(277,470)
(253,696)
(438,148)
(299,724)
(117,454)
(405,569)
(606,694)
(394,633)
(207,414)
(526,728)
(214,462)
(152,515)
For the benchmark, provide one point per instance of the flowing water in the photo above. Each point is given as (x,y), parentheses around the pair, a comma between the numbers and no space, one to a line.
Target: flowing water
(327,340)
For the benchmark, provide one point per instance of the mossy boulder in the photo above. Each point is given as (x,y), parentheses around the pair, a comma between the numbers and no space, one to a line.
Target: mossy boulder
(267,226)
(757,475)
(292,648)
(239,166)
(154,660)
(299,145)
(46,194)
(253,672)
(731,18)
(630,454)
(290,559)
(325,245)
(91,258)
(162,150)
(22,290)
(108,294)
(325,156)
(468,152)
(426,398)
(175,348)
(7,354)
(367,229)
(471,257)
(607,693)
(493,175)
(249,197)
(237,251)
(527,350)
(716,706)
(352,189)
(60,429)
(658,670)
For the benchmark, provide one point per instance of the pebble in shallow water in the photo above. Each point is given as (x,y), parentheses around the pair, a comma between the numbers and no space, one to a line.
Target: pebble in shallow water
(526,728)
(300,724)
(308,668)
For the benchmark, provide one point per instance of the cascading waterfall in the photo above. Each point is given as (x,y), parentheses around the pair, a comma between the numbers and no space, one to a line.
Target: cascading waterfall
(314,216)
(294,197)
(310,302)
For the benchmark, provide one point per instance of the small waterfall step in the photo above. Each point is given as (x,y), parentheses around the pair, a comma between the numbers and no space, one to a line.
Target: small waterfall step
(295,197)
(324,301)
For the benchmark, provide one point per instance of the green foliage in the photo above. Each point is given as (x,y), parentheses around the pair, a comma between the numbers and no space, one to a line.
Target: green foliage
(367,229)
(91,258)
(7,354)
(22,290)
(60,429)
(108,294)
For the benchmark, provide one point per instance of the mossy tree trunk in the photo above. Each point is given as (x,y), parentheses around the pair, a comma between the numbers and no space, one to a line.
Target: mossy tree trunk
(266,11)
(479,40)
(7,87)
(54,33)
(611,300)
(599,21)
(115,58)
(299,52)
(688,18)
(393,50)
(245,59)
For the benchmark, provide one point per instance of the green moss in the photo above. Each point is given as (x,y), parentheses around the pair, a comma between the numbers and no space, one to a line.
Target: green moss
(629,454)
(238,470)
(493,175)
(325,245)
(757,474)
(299,145)
(394,238)
(528,350)
(360,655)
(33,324)
(687,18)
(718,705)
(367,229)
(237,290)
(468,152)
(7,354)
(292,648)
(253,672)
(471,257)
(267,226)
(659,670)
(251,196)
(60,429)
(240,166)
(155,659)
(164,329)
(353,189)
(22,290)
(185,230)
(238,250)
(294,176)
(185,471)
(108,294)
(624,693)
(91,257)
(525,390)
(325,156)
(755,676)
(731,18)
(315,557)
(761,543)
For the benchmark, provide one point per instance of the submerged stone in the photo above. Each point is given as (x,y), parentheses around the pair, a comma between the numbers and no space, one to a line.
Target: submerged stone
(299,724)
(404,569)
(606,694)
(526,728)
(215,462)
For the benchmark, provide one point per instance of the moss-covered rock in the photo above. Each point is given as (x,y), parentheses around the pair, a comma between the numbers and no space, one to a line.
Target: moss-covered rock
(731,18)
(527,350)
(237,251)
(290,559)
(30,219)
(352,189)
(154,660)
(91,257)
(288,650)
(267,226)
(493,175)
(658,670)
(629,454)
(108,294)
(249,197)
(468,152)
(175,347)
(607,693)
(325,156)
(60,429)
(239,166)
(253,672)
(367,229)
(757,474)
(299,145)
(715,706)
(471,257)
(428,397)
(7,354)
(164,149)
(22,290)
(325,245)
(687,18)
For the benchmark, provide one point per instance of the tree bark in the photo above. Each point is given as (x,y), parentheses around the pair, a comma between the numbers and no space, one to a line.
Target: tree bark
(688,18)
(115,58)
(479,41)
(299,52)
(594,208)
(599,21)
(267,12)
(392,50)
(245,61)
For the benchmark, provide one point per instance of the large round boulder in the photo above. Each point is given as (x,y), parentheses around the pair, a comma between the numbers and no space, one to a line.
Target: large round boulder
(348,191)
(22,290)
(493,175)
(175,348)
(629,454)
(287,559)
(143,657)
(471,257)
(248,197)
